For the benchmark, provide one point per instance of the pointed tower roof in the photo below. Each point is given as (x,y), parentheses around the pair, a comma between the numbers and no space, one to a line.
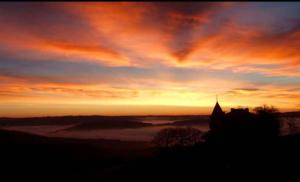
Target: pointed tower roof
(217,110)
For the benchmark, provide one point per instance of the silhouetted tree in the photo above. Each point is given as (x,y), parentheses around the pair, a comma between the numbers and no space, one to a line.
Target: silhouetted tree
(267,121)
(177,137)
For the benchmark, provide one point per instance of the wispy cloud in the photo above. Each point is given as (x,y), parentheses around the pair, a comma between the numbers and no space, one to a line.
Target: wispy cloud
(154,53)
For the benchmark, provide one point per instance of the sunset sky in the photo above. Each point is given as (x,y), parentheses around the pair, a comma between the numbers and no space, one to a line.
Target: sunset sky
(147,58)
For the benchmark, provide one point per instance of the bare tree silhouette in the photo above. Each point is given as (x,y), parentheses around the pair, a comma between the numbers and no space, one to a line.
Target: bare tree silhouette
(267,121)
(177,137)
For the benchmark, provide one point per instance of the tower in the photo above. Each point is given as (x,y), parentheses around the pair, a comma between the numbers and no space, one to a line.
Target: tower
(217,117)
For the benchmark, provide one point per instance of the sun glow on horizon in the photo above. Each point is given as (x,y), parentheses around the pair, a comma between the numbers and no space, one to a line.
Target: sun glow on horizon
(147,58)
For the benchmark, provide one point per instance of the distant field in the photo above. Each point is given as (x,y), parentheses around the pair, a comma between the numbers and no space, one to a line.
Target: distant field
(127,128)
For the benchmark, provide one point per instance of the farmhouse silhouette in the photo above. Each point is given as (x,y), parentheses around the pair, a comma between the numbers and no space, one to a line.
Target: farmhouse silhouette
(241,124)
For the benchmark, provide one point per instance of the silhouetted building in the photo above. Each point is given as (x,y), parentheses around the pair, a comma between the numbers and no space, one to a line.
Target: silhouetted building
(241,126)
(235,119)
(217,118)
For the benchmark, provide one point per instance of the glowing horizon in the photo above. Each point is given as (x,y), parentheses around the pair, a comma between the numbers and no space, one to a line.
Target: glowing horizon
(147,58)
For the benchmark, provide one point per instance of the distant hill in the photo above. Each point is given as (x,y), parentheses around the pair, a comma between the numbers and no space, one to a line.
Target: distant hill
(62,120)
(191,120)
(101,122)
(112,122)
(108,124)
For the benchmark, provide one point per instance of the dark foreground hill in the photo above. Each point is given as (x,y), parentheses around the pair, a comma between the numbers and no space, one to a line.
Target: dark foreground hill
(25,154)
(278,158)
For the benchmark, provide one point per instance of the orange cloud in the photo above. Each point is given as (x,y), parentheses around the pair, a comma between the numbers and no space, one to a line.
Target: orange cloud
(134,34)
(239,49)
(158,36)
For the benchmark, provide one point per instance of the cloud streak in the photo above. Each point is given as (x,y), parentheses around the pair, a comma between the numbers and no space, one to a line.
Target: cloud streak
(177,34)
(179,53)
